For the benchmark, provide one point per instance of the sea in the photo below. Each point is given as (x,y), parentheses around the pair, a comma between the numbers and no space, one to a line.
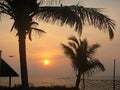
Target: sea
(90,83)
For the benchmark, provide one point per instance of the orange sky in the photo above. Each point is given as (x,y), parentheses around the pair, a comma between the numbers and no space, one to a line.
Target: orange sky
(48,45)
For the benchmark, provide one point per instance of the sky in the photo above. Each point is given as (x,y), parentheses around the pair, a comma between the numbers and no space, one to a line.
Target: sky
(48,46)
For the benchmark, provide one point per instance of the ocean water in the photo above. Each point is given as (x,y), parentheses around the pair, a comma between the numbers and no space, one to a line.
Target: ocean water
(90,84)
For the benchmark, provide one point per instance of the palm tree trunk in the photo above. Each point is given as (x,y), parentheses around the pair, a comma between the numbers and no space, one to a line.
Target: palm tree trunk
(23,64)
(78,81)
(83,81)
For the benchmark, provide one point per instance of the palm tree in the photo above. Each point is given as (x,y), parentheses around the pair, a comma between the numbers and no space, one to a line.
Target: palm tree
(22,13)
(82,57)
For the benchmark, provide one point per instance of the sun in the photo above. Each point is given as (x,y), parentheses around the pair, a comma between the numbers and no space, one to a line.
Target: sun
(46,62)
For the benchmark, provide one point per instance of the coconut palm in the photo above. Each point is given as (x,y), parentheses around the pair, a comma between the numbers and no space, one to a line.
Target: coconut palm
(22,13)
(82,57)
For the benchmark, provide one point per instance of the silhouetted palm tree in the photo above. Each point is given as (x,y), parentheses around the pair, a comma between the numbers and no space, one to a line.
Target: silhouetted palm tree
(23,12)
(82,57)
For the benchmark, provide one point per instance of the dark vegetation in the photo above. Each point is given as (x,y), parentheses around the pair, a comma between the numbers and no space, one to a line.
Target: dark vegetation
(39,88)
(23,22)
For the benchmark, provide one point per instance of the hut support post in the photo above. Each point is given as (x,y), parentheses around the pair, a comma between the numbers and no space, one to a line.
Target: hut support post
(9,81)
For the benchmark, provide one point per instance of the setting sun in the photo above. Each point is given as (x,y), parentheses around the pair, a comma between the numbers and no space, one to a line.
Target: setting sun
(46,62)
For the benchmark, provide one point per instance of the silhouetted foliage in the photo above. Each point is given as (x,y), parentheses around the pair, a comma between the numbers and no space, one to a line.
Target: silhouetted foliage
(22,13)
(39,88)
(77,16)
(82,57)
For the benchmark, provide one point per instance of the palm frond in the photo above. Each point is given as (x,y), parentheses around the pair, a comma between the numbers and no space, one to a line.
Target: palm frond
(34,23)
(29,34)
(5,9)
(38,31)
(5,6)
(84,45)
(63,14)
(71,54)
(92,49)
(94,17)
(94,65)
(77,16)
(97,64)
(75,40)
(73,45)
(68,51)
(12,27)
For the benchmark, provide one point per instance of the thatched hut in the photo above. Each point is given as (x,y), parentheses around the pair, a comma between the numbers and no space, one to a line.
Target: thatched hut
(6,70)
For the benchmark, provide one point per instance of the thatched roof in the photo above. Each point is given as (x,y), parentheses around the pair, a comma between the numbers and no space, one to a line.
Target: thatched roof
(6,70)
